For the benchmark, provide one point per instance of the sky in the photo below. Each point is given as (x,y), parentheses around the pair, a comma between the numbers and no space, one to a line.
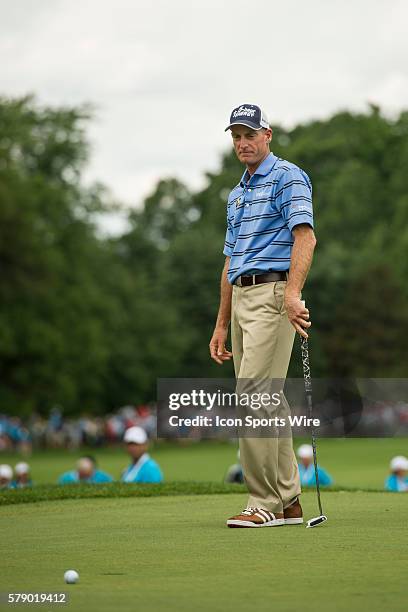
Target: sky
(163,76)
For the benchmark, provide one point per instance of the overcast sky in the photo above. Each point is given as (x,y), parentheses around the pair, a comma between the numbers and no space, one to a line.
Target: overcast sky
(165,74)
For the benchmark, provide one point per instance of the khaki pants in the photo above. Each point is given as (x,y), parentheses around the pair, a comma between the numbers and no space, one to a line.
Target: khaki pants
(262,341)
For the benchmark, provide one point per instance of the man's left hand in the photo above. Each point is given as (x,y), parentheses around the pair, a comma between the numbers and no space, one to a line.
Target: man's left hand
(297,313)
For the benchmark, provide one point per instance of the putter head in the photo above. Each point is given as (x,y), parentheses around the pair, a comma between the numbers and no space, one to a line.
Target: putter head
(318,520)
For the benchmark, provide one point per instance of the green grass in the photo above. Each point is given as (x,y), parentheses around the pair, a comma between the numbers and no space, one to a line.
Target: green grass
(175,553)
(42,493)
(166,547)
(352,462)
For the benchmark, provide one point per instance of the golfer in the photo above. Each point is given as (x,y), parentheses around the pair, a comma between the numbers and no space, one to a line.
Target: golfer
(269,248)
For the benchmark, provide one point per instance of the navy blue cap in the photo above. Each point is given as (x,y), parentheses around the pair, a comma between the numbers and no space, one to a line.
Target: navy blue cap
(250,115)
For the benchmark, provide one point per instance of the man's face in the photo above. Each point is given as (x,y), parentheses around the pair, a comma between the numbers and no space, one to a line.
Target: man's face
(85,469)
(306,461)
(136,450)
(251,146)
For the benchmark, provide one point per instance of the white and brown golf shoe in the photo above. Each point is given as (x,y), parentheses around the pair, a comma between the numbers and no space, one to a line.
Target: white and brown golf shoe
(293,514)
(256,517)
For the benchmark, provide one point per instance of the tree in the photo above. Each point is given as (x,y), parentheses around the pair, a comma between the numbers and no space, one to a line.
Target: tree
(91,322)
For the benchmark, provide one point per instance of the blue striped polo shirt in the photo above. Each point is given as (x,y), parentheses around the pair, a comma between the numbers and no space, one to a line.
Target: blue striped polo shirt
(262,211)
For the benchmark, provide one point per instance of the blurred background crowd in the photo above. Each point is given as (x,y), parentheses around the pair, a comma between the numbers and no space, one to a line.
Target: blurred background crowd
(144,469)
(58,431)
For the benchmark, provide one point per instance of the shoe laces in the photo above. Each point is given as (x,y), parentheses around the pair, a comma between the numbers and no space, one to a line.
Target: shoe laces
(249,511)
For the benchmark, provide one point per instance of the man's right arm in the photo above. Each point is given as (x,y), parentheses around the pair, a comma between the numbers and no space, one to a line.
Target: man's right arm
(217,345)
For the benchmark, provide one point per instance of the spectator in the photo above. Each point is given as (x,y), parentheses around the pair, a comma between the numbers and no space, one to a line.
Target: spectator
(6,475)
(306,468)
(142,468)
(86,472)
(397,480)
(235,472)
(21,476)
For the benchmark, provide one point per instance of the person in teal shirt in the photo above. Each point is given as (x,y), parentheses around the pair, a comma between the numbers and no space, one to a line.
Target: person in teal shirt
(142,469)
(307,471)
(86,472)
(21,476)
(397,481)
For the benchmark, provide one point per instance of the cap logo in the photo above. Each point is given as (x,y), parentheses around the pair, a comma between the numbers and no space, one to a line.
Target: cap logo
(244,111)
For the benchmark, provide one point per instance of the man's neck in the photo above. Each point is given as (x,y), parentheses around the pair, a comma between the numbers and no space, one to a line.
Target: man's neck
(252,169)
(138,459)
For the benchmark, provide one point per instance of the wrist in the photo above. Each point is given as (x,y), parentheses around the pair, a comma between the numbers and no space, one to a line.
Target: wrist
(222,324)
(291,291)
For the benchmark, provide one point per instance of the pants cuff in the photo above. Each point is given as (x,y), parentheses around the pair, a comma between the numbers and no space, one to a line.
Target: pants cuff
(257,502)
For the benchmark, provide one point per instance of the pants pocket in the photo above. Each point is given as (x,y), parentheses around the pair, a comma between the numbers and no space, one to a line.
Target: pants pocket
(279,295)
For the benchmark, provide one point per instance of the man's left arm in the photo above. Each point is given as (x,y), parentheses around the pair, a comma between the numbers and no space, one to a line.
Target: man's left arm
(301,260)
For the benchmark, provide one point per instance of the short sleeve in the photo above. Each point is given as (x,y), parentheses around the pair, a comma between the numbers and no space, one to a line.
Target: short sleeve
(294,198)
(229,238)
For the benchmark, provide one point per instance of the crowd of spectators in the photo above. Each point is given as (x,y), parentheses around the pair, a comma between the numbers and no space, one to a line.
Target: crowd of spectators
(15,479)
(142,468)
(396,481)
(59,431)
(134,425)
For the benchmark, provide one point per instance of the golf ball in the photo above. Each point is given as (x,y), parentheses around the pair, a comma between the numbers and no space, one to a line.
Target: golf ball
(71,576)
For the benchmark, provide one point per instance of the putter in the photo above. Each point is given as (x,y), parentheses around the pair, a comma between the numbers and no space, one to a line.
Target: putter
(317,520)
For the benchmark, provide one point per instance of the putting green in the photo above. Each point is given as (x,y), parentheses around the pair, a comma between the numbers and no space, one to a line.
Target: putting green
(174,553)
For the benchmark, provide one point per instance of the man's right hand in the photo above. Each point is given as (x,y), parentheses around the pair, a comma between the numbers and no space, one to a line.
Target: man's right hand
(217,346)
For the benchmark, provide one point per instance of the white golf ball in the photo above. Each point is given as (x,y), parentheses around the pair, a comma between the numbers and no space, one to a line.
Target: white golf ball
(71,576)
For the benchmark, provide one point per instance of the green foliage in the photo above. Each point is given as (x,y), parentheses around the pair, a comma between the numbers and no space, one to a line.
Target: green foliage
(90,322)
(77,324)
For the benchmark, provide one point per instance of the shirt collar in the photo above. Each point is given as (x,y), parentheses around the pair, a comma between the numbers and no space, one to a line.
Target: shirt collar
(263,169)
(142,459)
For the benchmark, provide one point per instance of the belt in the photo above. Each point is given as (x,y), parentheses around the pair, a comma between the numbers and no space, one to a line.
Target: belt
(257,279)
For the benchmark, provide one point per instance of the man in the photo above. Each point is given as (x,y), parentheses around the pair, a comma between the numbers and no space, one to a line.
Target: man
(21,476)
(269,248)
(307,471)
(86,473)
(397,481)
(6,475)
(142,469)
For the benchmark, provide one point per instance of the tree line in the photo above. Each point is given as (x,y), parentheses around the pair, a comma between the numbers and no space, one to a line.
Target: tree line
(90,322)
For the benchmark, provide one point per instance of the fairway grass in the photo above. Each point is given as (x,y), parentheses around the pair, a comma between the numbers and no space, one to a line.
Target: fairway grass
(175,553)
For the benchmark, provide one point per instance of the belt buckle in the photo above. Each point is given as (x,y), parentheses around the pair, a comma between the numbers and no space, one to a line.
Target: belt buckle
(238,282)
(253,279)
